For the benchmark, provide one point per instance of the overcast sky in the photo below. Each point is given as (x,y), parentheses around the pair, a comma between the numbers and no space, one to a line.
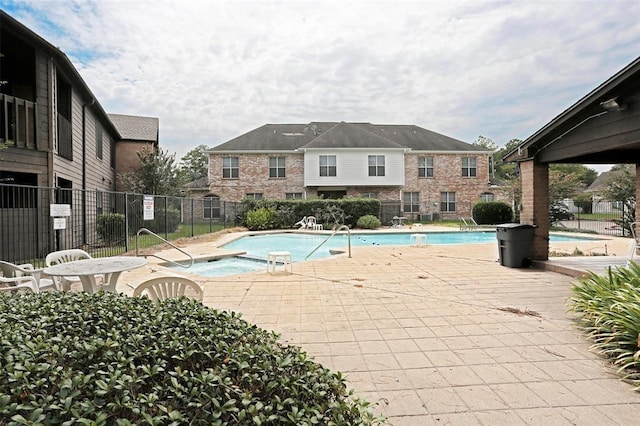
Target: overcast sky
(212,70)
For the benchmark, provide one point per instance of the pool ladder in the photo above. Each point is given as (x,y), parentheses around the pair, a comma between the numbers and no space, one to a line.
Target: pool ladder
(146,231)
(342,227)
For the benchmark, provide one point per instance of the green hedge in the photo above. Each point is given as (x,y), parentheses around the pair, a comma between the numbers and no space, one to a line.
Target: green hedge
(104,358)
(492,213)
(327,212)
(111,228)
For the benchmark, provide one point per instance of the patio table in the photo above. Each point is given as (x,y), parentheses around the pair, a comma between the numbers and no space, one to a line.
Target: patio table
(87,269)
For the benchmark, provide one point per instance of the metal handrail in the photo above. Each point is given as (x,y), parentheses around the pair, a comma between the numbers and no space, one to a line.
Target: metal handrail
(330,236)
(147,231)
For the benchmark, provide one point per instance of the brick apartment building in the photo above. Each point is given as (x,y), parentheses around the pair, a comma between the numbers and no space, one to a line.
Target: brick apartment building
(427,173)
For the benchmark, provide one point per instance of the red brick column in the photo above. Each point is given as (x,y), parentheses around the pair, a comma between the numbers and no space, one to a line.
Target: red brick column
(534,179)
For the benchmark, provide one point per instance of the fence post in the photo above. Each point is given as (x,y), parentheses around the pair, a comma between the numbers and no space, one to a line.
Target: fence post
(126,221)
(166,217)
(192,218)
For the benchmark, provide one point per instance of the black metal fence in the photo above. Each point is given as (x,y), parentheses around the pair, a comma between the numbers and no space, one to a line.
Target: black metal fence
(35,221)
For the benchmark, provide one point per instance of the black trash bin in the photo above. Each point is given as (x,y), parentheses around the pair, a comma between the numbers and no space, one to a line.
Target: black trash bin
(514,244)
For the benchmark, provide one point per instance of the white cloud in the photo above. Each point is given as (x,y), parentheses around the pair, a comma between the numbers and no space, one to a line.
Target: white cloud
(212,70)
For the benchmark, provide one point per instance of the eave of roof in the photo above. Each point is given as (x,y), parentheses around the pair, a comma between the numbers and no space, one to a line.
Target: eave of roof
(597,95)
(330,135)
(65,62)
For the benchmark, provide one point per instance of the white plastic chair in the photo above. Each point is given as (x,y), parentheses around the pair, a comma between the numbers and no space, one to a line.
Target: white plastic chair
(167,287)
(13,284)
(64,256)
(311,222)
(11,270)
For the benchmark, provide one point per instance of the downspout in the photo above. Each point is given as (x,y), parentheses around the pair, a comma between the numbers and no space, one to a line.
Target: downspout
(84,169)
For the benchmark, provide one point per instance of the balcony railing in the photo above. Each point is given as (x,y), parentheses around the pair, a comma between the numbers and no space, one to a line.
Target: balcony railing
(18,122)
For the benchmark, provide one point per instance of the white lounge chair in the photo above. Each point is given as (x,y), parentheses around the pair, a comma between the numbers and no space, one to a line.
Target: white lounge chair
(11,270)
(64,256)
(166,287)
(302,223)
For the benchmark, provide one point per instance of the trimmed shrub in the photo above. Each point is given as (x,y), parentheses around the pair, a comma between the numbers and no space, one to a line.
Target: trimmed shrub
(111,228)
(369,222)
(328,212)
(105,358)
(492,213)
(261,219)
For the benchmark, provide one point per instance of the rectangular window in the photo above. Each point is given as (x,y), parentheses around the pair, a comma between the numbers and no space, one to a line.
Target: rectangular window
(425,167)
(210,207)
(230,169)
(254,195)
(64,194)
(411,202)
(99,203)
(98,140)
(469,167)
(370,195)
(293,195)
(276,167)
(448,202)
(376,165)
(63,123)
(328,165)
(112,153)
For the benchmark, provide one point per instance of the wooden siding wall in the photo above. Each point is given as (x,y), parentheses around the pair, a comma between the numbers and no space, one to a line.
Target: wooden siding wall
(353,168)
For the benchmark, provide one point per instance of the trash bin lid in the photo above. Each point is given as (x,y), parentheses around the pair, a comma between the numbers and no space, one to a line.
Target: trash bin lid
(516,226)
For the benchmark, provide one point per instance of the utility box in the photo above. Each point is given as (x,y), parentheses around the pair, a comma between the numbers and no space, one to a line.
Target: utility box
(515,241)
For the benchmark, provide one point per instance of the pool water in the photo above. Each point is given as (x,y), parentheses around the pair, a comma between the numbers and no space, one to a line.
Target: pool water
(227,266)
(300,245)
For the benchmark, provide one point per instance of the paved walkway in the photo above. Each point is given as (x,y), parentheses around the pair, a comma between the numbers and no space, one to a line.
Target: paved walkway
(434,335)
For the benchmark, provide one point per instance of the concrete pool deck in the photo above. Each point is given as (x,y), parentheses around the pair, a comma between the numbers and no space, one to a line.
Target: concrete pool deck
(436,334)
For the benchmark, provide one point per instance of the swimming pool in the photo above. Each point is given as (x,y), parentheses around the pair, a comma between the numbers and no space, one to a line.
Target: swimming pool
(300,245)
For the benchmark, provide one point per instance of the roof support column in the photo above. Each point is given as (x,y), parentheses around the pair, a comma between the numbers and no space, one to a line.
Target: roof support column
(637,195)
(534,179)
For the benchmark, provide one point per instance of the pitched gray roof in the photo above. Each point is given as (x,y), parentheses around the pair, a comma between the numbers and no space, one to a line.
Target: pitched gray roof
(133,127)
(289,137)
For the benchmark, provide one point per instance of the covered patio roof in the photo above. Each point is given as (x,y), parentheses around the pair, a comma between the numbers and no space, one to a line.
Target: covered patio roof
(601,128)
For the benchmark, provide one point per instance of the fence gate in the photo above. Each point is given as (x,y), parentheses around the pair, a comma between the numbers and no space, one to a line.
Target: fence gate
(389,209)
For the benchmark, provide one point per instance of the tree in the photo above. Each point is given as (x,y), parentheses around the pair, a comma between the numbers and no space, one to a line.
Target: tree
(157,175)
(195,164)
(621,186)
(563,186)
(584,174)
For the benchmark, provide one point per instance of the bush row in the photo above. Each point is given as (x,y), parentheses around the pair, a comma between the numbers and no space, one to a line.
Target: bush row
(273,214)
(104,358)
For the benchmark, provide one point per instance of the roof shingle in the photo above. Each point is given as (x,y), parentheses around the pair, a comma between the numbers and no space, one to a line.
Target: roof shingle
(289,137)
(137,128)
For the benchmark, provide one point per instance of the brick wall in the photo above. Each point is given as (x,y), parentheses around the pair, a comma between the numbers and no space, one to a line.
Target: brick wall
(535,205)
(447,171)
(254,178)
